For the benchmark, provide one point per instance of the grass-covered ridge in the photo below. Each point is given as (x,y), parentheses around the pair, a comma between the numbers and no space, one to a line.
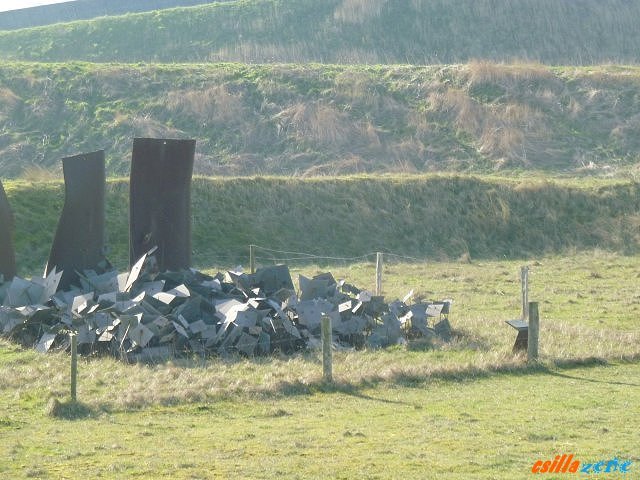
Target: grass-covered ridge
(82,10)
(347,31)
(325,119)
(434,217)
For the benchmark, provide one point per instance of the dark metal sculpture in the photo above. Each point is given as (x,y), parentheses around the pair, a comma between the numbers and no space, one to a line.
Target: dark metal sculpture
(160,201)
(79,240)
(7,253)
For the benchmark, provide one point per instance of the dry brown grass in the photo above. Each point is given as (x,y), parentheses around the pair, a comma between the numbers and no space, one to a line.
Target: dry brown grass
(38,173)
(196,379)
(318,122)
(338,166)
(358,56)
(408,156)
(359,88)
(509,131)
(9,101)
(459,107)
(627,133)
(212,105)
(483,71)
(504,131)
(358,11)
(262,52)
(115,80)
(604,74)
(144,125)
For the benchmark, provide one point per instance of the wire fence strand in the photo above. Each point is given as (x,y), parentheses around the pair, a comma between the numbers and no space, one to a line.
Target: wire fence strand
(403,257)
(283,256)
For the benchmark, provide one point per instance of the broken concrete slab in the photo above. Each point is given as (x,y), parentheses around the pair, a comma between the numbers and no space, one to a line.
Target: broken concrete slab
(443,329)
(198,318)
(310,312)
(45,342)
(312,288)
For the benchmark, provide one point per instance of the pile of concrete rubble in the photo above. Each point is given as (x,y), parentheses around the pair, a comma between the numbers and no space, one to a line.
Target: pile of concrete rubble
(143,315)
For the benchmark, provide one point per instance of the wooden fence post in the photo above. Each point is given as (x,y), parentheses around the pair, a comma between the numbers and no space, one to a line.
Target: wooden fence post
(524,283)
(534,331)
(74,366)
(252,259)
(327,356)
(379,273)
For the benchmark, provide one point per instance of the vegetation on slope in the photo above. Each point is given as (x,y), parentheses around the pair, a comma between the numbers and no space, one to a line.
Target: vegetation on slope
(81,10)
(428,217)
(324,119)
(347,31)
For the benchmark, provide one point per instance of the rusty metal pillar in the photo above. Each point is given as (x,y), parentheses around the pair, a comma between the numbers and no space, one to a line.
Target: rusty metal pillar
(160,201)
(79,240)
(7,253)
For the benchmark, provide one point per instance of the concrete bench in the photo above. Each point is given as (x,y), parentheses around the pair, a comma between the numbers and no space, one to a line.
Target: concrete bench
(522,339)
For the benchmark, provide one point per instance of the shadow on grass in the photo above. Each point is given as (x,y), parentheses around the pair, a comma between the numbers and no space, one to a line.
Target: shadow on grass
(363,388)
(455,340)
(592,380)
(518,367)
(69,410)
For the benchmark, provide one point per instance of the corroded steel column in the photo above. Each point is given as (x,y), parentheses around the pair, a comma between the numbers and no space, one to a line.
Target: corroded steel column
(79,240)
(160,201)
(7,253)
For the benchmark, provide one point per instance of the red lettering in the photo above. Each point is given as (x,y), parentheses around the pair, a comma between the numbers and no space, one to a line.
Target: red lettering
(560,462)
(536,467)
(567,463)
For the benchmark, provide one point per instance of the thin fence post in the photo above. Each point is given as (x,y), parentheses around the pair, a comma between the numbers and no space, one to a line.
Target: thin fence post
(534,332)
(74,366)
(524,283)
(252,259)
(379,273)
(327,360)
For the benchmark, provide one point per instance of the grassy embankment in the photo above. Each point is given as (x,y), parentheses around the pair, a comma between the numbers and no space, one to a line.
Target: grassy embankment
(435,217)
(346,31)
(455,410)
(304,120)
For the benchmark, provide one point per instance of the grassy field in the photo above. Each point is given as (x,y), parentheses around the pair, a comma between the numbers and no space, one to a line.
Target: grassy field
(491,427)
(463,409)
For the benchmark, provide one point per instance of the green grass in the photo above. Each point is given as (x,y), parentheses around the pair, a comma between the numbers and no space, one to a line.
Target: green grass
(429,217)
(494,427)
(311,119)
(465,409)
(346,31)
